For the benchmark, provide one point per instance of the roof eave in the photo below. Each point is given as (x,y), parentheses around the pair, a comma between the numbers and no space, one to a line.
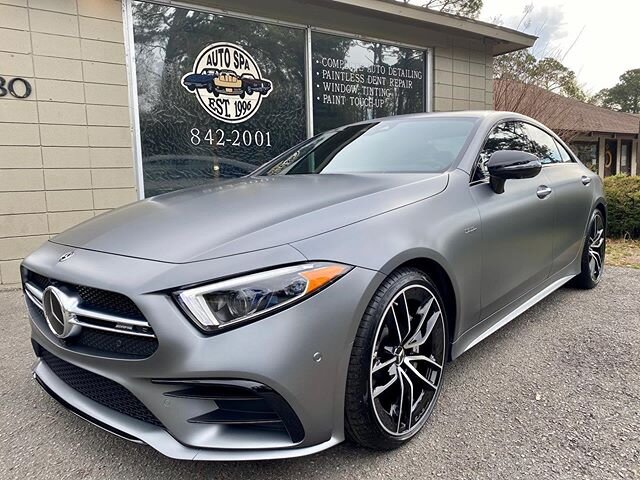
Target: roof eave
(505,39)
(500,48)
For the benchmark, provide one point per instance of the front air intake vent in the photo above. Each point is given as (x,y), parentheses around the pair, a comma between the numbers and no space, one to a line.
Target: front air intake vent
(240,404)
(101,390)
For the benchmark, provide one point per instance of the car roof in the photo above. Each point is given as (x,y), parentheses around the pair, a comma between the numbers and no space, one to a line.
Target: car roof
(488,115)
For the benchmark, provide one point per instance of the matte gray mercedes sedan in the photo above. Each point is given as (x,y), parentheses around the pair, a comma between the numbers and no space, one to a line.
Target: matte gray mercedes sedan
(319,298)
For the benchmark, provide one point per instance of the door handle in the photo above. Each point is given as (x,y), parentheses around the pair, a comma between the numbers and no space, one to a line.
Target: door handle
(585,180)
(543,191)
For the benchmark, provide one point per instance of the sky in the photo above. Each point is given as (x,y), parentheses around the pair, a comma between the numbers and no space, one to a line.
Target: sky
(597,40)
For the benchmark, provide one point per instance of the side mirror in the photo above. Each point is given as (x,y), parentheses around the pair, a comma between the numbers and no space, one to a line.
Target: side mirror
(510,164)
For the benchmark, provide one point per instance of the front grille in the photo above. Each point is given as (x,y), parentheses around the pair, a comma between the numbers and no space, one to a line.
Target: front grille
(97,341)
(38,280)
(109,302)
(36,314)
(112,342)
(99,389)
(93,298)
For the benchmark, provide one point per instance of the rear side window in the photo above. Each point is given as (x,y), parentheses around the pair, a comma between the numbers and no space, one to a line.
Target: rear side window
(504,136)
(564,155)
(543,144)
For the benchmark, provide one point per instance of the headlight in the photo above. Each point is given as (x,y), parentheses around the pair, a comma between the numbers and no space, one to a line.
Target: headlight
(219,305)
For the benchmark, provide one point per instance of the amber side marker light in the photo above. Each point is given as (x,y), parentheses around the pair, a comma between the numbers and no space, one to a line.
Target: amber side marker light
(321,276)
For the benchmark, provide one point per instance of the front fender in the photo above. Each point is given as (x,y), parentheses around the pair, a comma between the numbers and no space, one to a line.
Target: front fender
(444,228)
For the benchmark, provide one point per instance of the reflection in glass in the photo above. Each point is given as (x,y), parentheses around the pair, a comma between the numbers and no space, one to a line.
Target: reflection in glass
(587,152)
(355,80)
(625,157)
(543,145)
(424,145)
(505,136)
(182,145)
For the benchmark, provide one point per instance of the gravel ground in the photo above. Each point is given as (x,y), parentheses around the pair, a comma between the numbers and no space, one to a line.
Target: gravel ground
(554,394)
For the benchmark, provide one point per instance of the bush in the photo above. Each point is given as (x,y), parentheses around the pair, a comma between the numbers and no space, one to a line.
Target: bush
(623,205)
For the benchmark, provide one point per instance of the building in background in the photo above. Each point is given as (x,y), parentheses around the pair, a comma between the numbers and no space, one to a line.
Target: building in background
(606,141)
(103,102)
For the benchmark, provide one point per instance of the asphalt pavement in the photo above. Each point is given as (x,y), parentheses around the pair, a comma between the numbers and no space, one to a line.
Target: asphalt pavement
(554,394)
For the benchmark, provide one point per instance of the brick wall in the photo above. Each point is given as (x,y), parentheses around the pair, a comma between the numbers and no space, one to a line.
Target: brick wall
(463,75)
(65,152)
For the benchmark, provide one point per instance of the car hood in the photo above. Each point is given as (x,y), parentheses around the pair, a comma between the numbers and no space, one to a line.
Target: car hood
(247,214)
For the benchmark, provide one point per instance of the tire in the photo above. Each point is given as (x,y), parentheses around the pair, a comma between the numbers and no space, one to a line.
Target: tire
(376,416)
(249,91)
(594,249)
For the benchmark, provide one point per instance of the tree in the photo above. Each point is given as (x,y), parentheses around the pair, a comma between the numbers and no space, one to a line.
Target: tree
(624,96)
(464,8)
(548,73)
(520,84)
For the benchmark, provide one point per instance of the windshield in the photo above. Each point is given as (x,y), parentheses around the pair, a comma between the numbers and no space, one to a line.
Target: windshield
(425,145)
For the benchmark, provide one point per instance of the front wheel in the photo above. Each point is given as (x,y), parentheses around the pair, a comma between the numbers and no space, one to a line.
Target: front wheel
(593,253)
(397,362)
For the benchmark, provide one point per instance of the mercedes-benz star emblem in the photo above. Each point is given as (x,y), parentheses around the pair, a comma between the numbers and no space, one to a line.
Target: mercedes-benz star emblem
(65,256)
(56,311)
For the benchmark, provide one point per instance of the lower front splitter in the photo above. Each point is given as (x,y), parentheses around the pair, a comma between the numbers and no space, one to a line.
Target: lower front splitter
(140,432)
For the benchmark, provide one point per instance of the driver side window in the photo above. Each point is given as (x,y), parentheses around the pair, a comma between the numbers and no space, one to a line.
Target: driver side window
(544,145)
(504,136)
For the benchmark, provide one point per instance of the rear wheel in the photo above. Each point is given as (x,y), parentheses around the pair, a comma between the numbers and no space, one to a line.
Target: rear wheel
(397,362)
(593,253)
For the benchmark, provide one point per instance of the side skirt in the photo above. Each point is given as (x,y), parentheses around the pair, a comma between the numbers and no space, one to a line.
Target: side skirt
(467,340)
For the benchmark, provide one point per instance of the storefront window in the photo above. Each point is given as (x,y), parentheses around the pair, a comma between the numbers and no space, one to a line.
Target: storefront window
(356,80)
(587,152)
(217,96)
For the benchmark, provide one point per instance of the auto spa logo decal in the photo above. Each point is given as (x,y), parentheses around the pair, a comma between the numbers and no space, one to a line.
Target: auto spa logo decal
(227,82)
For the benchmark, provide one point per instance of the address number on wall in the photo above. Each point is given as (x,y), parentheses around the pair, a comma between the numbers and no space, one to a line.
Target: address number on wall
(17,87)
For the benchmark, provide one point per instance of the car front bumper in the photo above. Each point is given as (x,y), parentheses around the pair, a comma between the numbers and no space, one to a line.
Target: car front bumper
(301,354)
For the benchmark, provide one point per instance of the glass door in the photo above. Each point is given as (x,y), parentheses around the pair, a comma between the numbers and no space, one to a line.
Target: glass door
(610,156)
(625,157)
